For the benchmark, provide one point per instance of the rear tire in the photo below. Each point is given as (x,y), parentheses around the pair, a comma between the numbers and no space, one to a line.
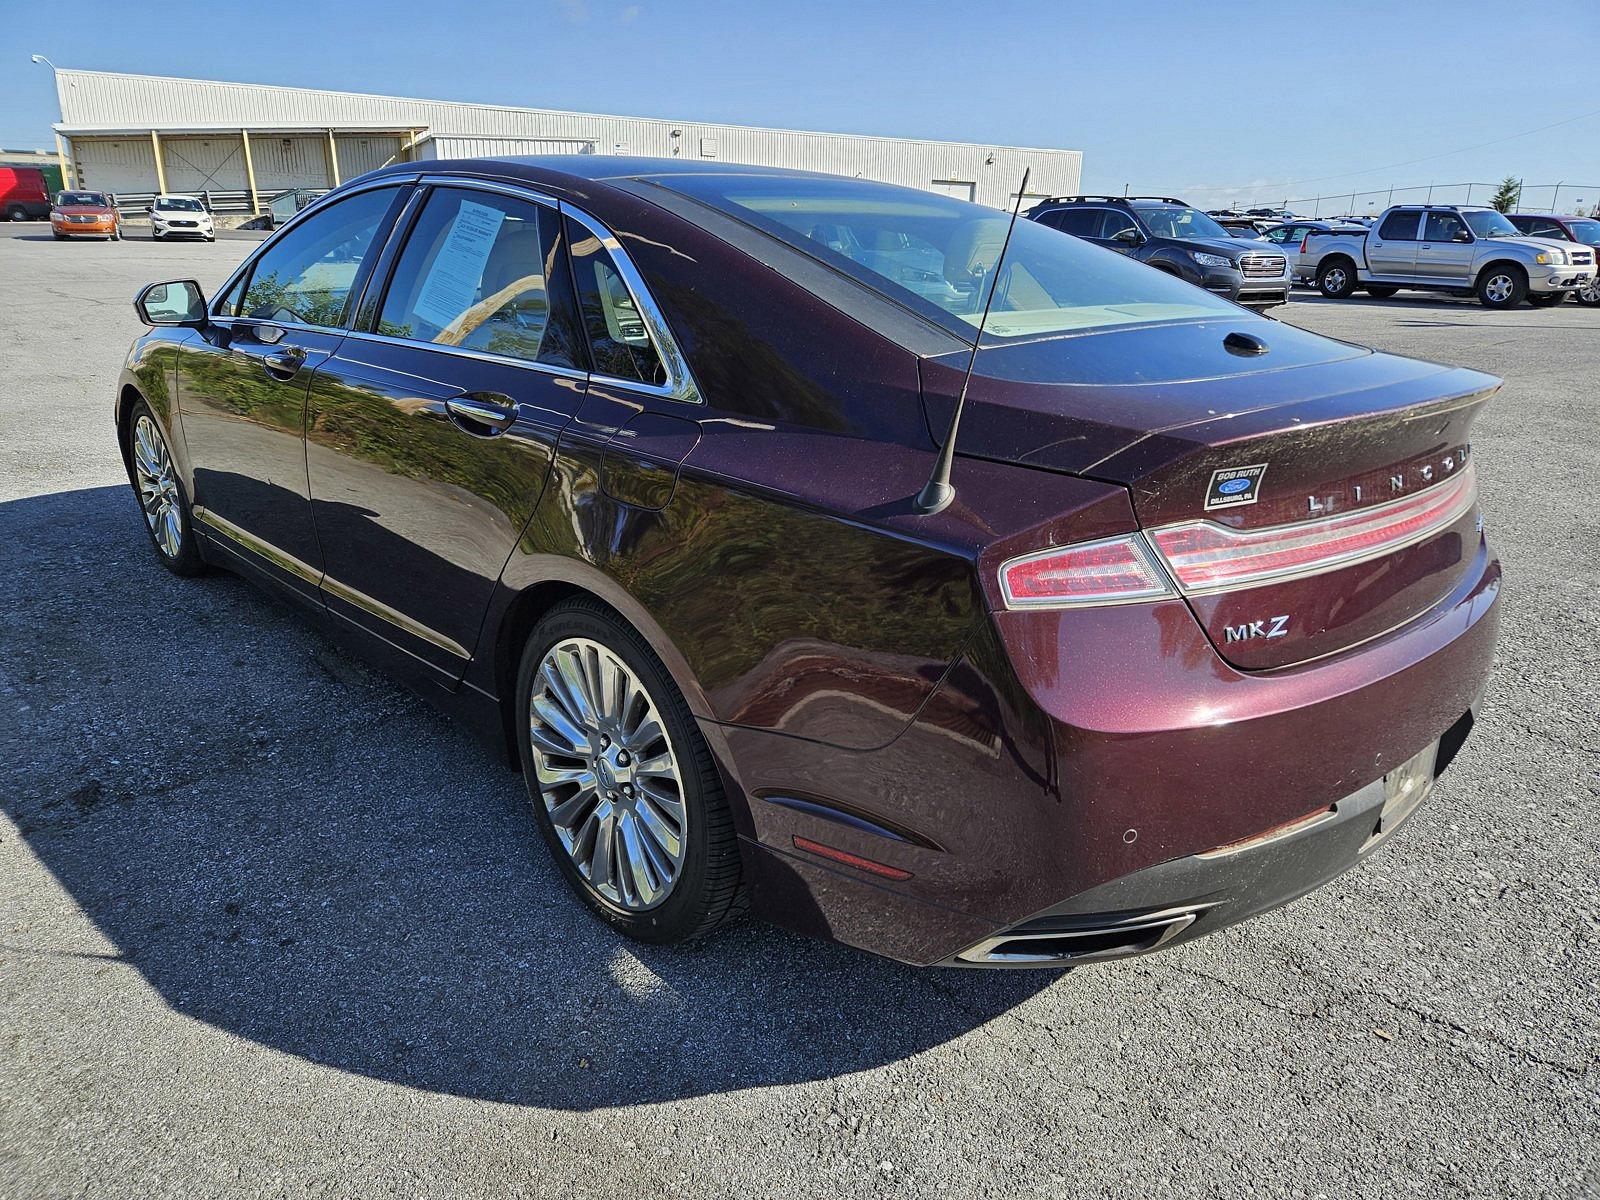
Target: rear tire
(1381,291)
(612,826)
(16,213)
(1336,279)
(1502,285)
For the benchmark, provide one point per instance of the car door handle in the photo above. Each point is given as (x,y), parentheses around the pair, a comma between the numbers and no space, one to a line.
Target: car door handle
(283,364)
(484,413)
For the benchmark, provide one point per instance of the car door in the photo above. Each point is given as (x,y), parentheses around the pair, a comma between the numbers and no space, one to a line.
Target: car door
(1392,247)
(242,382)
(431,430)
(1439,255)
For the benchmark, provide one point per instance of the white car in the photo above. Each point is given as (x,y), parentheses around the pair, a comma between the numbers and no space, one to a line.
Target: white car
(180,216)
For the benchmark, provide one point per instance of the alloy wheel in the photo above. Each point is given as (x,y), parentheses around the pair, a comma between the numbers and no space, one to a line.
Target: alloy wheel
(608,774)
(1498,289)
(1333,280)
(158,487)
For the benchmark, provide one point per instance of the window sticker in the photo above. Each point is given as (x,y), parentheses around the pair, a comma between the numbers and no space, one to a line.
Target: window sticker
(452,285)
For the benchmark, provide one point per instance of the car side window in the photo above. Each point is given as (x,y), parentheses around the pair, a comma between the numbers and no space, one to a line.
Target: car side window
(307,274)
(1548,229)
(1114,222)
(1080,222)
(1399,227)
(619,339)
(482,271)
(227,304)
(1282,234)
(1443,227)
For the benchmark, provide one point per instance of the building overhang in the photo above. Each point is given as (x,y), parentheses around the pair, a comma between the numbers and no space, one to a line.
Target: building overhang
(276,130)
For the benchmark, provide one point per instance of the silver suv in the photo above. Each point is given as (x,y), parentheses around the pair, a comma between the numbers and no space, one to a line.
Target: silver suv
(1448,248)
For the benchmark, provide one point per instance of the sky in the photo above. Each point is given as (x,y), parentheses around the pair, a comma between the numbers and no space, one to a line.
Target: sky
(1217,102)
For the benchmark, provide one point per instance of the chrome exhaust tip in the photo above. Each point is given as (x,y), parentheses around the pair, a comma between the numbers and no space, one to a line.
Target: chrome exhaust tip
(1137,934)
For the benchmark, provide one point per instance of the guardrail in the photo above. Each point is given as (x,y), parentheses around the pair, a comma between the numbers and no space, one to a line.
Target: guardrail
(137,204)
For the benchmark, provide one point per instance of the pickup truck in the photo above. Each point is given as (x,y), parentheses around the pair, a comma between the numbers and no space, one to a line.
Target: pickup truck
(1447,248)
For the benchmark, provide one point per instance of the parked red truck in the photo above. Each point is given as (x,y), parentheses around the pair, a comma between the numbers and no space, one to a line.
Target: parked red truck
(23,196)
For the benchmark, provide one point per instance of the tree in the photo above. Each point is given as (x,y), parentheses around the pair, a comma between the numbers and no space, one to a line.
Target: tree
(1507,194)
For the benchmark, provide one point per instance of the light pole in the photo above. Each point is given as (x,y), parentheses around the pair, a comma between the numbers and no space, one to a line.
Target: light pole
(67,173)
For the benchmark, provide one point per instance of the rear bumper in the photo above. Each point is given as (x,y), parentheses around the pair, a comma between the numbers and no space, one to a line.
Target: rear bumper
(1104,786)
(1186,898)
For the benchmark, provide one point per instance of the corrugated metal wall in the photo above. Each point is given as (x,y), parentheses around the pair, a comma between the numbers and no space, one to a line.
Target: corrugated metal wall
(488,147)
(115,164)
(96,100)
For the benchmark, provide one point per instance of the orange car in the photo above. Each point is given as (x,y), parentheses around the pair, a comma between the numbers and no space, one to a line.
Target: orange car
(84,214)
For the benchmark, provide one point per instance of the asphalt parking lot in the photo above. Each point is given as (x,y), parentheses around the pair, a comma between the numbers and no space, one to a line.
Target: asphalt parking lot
(270,926)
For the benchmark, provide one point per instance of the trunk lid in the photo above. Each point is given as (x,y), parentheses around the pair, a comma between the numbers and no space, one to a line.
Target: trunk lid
(1170,414)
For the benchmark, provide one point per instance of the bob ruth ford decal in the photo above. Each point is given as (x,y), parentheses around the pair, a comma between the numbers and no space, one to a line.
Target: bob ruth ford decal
(1232,487)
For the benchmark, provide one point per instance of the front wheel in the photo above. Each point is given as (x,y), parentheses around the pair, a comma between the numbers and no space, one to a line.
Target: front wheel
(160,492)
(1589,293)
(1337,279)
(1502,287)
(622,783)
(16,213)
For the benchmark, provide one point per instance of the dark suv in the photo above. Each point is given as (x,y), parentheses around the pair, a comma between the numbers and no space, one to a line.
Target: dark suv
(1584,230)
(1174,237)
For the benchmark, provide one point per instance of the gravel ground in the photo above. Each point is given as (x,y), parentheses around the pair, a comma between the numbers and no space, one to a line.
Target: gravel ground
(270,926)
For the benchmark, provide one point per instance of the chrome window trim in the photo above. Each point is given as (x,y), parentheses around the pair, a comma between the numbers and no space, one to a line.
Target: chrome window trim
(680,383)
(504,360)
(250,261)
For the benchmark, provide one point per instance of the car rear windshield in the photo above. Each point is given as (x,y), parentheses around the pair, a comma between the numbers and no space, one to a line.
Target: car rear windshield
(936,255)
(85,199)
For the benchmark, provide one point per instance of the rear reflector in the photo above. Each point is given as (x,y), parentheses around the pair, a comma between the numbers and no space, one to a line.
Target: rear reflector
(1113,571)
(849,860)
(1206,557)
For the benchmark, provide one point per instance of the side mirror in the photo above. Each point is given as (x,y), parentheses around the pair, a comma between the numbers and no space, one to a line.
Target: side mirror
(1128,237)
(178,302)
(1462,236)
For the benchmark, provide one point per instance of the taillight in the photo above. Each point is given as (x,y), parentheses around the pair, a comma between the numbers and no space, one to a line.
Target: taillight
(1206,557)
(1114,571)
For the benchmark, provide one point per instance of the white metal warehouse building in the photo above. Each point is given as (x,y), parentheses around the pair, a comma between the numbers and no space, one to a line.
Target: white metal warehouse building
(145,133)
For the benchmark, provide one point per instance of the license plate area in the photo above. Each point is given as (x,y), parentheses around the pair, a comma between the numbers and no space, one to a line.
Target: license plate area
(1404,788)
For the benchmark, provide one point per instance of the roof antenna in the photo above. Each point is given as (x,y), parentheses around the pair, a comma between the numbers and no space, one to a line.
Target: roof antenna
(937,493)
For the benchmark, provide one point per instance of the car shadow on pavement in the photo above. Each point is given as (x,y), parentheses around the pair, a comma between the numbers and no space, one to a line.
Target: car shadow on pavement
(291,847)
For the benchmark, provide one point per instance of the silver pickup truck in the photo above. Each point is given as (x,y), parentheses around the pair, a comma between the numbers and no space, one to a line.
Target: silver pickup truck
(1447,248)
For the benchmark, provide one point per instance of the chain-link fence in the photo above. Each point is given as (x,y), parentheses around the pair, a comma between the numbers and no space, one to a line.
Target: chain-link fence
(1562,197)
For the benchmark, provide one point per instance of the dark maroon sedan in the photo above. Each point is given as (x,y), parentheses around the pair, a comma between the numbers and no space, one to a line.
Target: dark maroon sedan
(619,459)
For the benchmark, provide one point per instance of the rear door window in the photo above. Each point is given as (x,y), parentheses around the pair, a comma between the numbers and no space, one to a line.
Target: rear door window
(482,271)
(1080,222)
(306,276)
(1400,227)
(619,337)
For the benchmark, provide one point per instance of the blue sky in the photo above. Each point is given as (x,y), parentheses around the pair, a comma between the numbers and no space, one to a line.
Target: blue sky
(1215,101)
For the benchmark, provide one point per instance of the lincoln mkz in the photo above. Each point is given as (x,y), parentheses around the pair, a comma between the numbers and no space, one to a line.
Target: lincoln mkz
(621,459)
